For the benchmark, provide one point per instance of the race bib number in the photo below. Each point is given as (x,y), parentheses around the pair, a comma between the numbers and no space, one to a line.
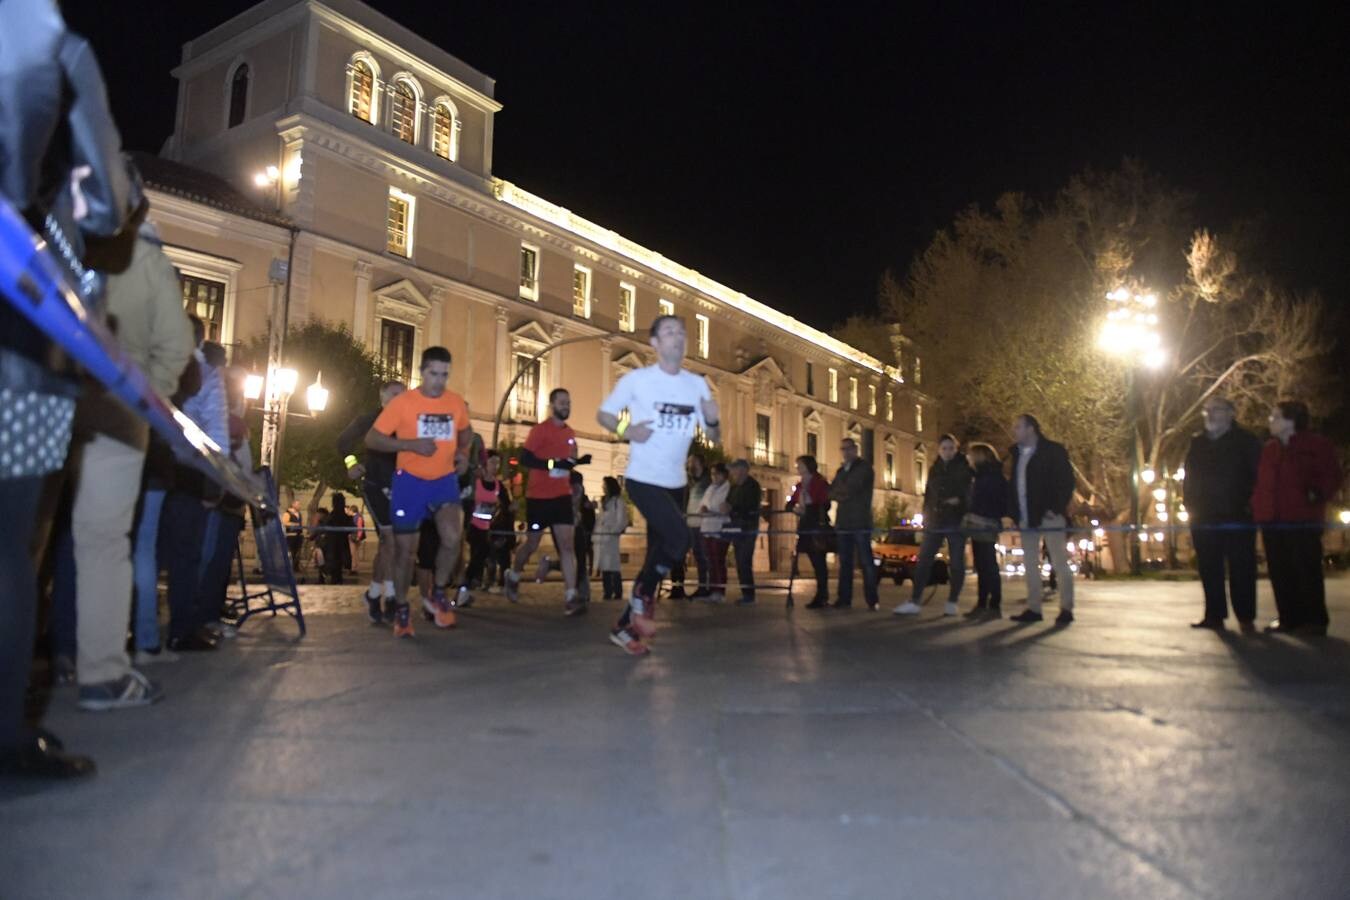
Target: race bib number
(677,418)
(438,427)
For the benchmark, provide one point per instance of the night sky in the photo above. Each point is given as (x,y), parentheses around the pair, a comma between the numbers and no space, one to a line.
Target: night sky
(795,151)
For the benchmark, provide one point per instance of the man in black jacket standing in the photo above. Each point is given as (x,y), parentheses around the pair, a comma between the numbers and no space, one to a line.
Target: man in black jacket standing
(1041,488)
(376,473)
(1220,474)
(945,496)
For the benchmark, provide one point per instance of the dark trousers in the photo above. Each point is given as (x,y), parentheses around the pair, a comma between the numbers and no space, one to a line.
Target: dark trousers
(215,572)
(182,525)
(677,574)
(18,601)
(63,621)
(1294,560)
(480,545)
(1227,562)
(806,543)
(989,580)
(613,585)
(667,534)
(857,545)
(743,545)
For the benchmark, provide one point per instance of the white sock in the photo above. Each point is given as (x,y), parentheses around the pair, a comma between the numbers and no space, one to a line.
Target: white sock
(571,594)
(389,589)
(512,575)
(374,589)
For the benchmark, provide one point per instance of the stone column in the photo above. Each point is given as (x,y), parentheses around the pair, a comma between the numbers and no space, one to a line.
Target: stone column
(502,346)
(361,323)
(555,356)
(606,367)
(436,315)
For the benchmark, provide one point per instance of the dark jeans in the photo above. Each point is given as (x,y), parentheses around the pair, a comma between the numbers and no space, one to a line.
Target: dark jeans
(989,580)
(613,585)
(1294,560)
(806,543)
(18,601)
(215,572)
(480,545)
(1227,559)
(956,561)
(857,544)
(677,574)
(63,621)
(667,534)
(743,545)
(182,523)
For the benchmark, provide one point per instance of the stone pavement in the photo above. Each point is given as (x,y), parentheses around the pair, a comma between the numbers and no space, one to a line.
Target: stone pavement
(757,753)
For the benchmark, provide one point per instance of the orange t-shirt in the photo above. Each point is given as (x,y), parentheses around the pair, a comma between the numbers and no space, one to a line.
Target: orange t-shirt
(549,440)
(411,415)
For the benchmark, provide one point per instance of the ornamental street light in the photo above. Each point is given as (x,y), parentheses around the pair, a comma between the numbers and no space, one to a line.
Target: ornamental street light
(277,388)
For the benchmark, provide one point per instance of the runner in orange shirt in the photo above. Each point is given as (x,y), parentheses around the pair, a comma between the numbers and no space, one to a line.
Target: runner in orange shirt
(429,430)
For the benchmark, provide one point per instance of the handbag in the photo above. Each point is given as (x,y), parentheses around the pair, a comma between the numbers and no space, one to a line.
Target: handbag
(982,529)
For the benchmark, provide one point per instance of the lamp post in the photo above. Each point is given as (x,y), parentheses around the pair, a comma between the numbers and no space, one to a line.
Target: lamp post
(278,386)
(1131,332)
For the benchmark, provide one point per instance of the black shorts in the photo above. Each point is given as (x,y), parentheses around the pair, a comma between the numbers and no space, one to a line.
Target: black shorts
(377,503)
(541,514)
(428,544)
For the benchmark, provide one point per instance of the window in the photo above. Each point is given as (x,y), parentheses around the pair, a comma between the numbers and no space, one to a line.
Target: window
(812,444)
(919,464)
(762,429)
(702,335)
(834,386)
(403,111)
(667,307)
(238,96)
(445,131)
(868,446)
(918,417)
(361,96)
(396,350)
(810,380)
(205,299)
(627,307)
(400,223)
(581,292)
(852,392)
(525,396)
(871,399)
(918,371)
(890,469)
(890,407)
(529,272)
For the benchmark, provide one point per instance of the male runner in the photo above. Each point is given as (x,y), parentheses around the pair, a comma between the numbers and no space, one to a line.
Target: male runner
(429,430)
(376,475)
(550,453)
(664,403)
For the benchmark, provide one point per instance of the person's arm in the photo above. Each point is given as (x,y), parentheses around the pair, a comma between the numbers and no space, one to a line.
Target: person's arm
(1064,483)
(387,443)
(611,407)
(171,331)
(1188,490)
(710,416)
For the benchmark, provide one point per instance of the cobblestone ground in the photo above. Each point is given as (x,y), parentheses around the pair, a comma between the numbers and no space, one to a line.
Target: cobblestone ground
(757,753)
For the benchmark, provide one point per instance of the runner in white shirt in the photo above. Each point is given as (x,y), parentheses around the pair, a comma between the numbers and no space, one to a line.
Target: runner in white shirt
(664,403)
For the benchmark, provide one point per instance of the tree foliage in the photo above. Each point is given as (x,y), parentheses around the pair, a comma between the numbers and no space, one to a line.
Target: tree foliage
(1006,305)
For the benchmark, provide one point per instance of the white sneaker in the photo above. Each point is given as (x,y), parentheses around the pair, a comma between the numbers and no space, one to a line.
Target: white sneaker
(716,597)
(222,629)
(150,657)
(906,609)
(951,609)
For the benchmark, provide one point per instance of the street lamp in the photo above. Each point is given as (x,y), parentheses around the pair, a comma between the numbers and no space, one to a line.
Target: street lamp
(277,388)
(316,395)
(1131,332)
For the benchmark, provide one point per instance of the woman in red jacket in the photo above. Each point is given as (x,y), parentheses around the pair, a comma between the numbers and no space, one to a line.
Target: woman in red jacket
(810,501)
(1297,475)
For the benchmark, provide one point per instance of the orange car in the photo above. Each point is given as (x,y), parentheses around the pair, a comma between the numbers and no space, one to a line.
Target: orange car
(897,555)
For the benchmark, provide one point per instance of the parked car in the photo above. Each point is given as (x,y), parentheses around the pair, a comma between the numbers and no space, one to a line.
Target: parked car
(897,555)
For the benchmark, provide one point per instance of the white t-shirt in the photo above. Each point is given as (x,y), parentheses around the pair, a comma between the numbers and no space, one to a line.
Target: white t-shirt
(671,405)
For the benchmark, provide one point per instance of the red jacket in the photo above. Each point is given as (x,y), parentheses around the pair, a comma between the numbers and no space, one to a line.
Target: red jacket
(1294,483)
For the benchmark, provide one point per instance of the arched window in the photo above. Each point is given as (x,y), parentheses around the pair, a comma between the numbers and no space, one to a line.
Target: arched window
(361,99)
(238,96)
(403,111)
(445,131)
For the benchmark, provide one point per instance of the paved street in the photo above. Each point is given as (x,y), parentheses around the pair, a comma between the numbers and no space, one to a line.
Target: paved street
(755,754)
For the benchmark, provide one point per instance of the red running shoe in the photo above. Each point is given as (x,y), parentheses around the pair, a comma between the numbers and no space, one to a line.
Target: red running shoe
(628,642)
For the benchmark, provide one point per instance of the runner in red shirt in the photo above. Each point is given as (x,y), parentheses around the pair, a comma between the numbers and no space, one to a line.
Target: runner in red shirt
(551,454)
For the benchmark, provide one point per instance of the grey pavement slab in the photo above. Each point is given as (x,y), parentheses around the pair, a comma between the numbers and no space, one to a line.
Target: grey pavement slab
(757,753)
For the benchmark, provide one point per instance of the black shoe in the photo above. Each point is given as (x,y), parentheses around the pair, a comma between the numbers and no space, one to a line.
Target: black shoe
(373,610)
(1212,624)
(818,603)
(977,612)
(1027,615)
(1312,630)
(1246,626)
(1064,618)
(842,604)
(390,609)
(700,594)
(748,601)
(677,592)
(41,756)
(191,643)
(993,612)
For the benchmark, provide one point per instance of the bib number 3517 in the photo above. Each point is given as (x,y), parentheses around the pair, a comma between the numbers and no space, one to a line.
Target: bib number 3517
(436,427)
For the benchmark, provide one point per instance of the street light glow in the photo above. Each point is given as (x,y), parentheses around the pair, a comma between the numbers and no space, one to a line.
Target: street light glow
(287,379)
(316,395)
(1148,476)
(253,386)
(1345,517)
(1160,494)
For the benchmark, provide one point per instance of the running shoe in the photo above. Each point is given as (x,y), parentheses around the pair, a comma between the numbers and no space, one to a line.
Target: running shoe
(643,619)
(512,585)
(463,599)
(373,611)
(628,642)
(575,607)
(390,608)
(438,606)
(403,621)
(908,609)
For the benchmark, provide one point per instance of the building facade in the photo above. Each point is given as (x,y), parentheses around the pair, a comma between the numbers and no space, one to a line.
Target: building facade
(325,151)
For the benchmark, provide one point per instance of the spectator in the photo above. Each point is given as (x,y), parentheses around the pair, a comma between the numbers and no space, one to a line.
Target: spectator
(1041,490)
(698,482)
(710,529)
(336,548)
(743,511)
(1296,477)
(852,491)
(1220,475)
(227,518)
(583,517)
(944,505)
(488,496)
(810,503)
(294,523)
(988,503)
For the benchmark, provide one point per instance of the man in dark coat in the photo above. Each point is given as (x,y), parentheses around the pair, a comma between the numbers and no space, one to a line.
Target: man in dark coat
(945,497)
(1220,474)
(1041,489)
